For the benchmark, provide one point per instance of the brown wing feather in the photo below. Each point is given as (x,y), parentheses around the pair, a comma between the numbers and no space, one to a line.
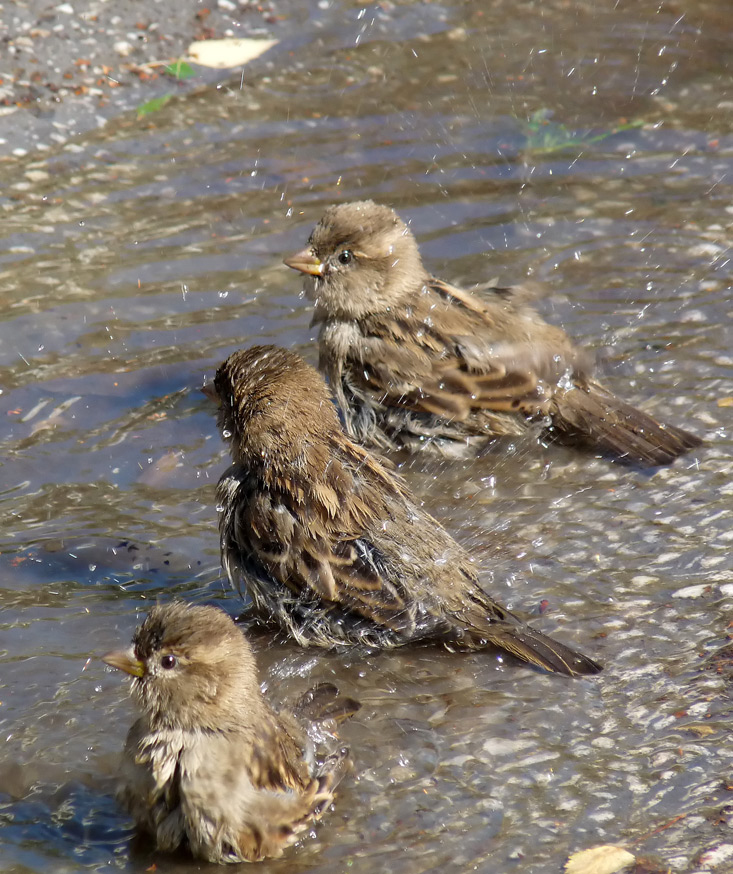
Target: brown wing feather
(315,545)
(469,354)
(276,760)
(282,817)
(474,356)
(449,391)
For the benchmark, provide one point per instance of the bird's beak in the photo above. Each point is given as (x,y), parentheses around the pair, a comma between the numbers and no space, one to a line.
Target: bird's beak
(210,391)
(124,660)
(306,262)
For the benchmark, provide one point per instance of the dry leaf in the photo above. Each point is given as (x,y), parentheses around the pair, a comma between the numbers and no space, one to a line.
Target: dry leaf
(605,859)
(700,730)
(223,53)
(725,402)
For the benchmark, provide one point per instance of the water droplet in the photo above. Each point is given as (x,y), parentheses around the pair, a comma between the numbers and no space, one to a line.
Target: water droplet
(565,382)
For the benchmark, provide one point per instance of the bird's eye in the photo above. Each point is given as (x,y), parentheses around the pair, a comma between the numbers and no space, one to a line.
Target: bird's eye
(168,662)
(345,257)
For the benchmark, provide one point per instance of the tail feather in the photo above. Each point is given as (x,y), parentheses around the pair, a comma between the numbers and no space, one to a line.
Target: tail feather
(593,416)
(539,649)
(482,622)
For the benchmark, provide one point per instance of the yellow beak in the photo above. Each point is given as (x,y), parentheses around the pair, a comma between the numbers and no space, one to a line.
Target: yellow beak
(124,660)
(306,262)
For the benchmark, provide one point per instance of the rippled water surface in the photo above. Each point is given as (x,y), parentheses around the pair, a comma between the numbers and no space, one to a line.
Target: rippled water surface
(586,145)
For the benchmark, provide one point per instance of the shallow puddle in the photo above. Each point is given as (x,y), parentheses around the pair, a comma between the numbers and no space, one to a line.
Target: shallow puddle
(586,146)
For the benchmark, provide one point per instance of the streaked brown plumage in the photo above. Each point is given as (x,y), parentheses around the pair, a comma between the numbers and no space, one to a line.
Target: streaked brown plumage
(210,766)
(414,361)
(329,542)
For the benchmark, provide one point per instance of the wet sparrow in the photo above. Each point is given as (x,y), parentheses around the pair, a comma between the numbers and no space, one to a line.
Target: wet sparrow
(415,361)
(210,766)
(329,542)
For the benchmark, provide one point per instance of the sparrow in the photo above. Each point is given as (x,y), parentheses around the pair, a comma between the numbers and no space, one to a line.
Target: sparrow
(414,361)
(209,766)
(327,539)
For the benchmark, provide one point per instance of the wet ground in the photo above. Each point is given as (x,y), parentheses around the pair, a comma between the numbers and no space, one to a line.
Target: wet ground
(588,146)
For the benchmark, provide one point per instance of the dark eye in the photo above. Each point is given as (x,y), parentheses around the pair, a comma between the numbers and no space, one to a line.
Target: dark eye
(168,662)
(345,257)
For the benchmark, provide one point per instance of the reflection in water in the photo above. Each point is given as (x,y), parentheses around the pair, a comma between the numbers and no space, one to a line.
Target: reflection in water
(149,251)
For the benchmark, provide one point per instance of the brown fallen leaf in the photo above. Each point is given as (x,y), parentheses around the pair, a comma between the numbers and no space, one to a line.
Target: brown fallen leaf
(725,402)
(604,859)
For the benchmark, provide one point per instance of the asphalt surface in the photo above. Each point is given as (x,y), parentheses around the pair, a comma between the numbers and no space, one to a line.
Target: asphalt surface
(67,68)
